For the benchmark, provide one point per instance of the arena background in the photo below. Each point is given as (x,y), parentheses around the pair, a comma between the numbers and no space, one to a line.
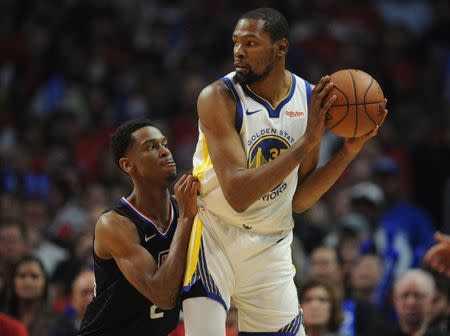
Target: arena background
(73,70)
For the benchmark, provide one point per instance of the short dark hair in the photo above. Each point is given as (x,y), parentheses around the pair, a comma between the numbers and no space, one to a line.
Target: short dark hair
(121,138)
(275,24)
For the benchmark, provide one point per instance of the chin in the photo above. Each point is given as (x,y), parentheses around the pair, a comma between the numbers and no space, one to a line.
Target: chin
(171,177)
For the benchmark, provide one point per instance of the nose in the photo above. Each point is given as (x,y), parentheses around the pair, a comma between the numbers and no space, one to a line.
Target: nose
(164,151)
(238,51)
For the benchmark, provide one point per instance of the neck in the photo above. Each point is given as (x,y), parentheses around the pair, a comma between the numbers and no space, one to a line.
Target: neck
(414,331)
(27,309)
(153,202)
(316,330)
(273,88)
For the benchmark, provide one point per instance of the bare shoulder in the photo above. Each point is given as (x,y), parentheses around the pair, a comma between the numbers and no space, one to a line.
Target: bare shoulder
(216,102)
(215,90)
(113,231)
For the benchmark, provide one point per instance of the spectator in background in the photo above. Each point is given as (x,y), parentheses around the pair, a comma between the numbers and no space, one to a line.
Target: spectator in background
(13,246)
(365,277)
(28,295)
(36,218)
(322,308)
(351,231)
(404,232)
(324,266)
(413,299)
(367,200)
(66,271)
(440,322)
(82,294)
(360,318)
(11,327)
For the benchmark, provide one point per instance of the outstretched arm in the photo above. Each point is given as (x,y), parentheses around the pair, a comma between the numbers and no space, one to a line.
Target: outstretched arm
(314,183)
(116,237)
(240,185)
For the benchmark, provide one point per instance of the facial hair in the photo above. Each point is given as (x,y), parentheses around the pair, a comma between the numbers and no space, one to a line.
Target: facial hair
(252,77)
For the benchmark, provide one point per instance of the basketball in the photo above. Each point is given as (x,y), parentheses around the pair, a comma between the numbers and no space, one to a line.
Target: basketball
(359,106)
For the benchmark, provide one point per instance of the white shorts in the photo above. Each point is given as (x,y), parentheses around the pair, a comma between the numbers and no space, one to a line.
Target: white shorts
(255,270)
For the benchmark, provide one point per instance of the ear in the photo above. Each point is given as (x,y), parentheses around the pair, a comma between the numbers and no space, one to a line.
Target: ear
(283,46)
(126,165)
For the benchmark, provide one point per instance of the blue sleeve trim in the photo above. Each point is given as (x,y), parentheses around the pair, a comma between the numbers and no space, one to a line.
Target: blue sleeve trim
(308,92)
(239,113)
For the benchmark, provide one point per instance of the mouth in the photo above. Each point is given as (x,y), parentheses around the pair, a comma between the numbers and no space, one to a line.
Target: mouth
(240,65)
(168,163)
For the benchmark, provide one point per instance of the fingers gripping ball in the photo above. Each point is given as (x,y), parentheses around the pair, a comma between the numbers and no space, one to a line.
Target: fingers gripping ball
(359,106)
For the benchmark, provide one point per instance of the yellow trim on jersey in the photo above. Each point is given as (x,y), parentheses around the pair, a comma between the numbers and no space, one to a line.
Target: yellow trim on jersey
(200,170)
(268,102)
(265,137)
(193,250)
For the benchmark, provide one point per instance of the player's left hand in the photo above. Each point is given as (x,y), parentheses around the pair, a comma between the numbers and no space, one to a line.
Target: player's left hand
(354,145)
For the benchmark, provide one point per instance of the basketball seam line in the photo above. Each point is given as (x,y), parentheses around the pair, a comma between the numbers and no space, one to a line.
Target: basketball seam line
(356,102)
(359,104)
(365,109)
(345,114)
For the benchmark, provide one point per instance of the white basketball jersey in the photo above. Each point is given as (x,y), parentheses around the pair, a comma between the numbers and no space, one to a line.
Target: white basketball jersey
(266,132)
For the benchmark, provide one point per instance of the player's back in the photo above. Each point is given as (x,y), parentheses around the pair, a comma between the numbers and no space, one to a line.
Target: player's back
(118,308)
(266,131)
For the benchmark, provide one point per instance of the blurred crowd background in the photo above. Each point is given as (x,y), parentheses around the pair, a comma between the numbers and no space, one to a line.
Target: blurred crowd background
(72,70)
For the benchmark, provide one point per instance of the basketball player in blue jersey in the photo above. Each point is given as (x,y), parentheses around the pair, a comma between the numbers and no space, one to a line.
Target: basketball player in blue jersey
(140,244)
(260,130)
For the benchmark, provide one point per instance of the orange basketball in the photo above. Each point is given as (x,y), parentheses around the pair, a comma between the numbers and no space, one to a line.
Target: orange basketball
(359,106)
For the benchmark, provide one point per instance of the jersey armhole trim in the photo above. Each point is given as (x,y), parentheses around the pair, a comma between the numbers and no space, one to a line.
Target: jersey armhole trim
(239,112)
(308,92)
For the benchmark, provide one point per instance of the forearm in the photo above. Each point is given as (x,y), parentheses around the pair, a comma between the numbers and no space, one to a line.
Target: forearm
(167,280)
(246,186)
(312,188)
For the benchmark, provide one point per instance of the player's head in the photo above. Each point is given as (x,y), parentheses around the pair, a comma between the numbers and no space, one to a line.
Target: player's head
(141,151)
(260,40)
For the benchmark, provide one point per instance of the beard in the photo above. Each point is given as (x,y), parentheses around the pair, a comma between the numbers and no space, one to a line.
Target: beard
(172,177)
(251,77)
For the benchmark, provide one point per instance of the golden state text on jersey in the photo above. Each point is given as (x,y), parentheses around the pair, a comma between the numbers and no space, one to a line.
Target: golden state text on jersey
(266,132)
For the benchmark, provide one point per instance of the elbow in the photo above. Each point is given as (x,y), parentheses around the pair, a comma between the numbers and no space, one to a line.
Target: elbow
(239,209)
(165,304)
(165,301)
(163,297)
(235,203)
(300,208)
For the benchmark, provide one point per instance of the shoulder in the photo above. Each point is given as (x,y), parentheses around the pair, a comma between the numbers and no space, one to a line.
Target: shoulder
(216,104)
(112,227)
(214,91)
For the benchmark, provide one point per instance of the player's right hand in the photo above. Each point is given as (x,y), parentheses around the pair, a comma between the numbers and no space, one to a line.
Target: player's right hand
(186,191)
(318,107)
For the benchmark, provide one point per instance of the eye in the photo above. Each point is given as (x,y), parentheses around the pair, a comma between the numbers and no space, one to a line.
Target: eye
(165,145)
(250,43)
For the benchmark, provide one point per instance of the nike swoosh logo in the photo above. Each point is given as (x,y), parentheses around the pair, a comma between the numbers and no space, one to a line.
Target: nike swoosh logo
(148,238)
(251,112)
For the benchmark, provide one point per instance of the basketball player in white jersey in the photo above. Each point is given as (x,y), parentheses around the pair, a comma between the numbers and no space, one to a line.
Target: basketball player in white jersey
(260,132)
